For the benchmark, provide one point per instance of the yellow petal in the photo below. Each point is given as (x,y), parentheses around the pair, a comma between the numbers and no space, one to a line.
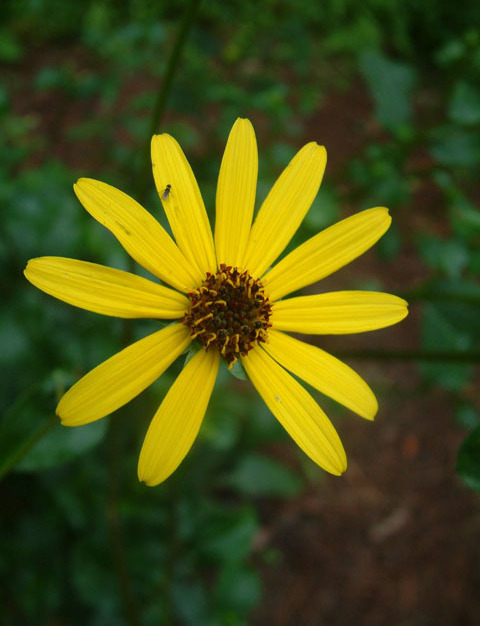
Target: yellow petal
(177,421)
(183,205)
(140,234)
(285,207)
(324,372)
(297,411)
(338,312)
(116,381)
(104,290)
(237,183)
(326,252)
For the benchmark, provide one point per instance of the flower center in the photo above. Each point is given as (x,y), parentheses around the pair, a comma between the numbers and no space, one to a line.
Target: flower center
(229,312)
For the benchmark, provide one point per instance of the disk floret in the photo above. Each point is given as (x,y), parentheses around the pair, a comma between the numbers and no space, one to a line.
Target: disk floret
(229,312)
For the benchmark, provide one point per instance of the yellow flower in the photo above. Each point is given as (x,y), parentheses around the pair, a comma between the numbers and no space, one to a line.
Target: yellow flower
(224,294)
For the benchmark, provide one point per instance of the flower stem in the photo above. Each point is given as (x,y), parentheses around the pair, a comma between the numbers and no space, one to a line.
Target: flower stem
(27,444)
(467,356)
(426,294)
(162,96)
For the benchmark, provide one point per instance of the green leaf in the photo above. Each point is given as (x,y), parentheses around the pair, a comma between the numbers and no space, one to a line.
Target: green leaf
(50,77)
(323,212)
(11,50)
(451,52)
(454,288)
(238,590)
(467,415)
(190,601)
(257,475)
(468,217)
(449,327)
(463,213)
(193,348)
(228,536)
(62,444)
(90,563)
(390,244)
(455,147)
(238,371)
(448,256)
(464,106)
(468,460)
(222,428)
(390,84)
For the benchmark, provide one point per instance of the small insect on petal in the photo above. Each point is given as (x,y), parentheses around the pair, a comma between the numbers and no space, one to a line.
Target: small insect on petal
(166,193)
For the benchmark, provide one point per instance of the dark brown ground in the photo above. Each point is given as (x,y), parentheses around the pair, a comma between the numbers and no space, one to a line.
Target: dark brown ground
(396,541)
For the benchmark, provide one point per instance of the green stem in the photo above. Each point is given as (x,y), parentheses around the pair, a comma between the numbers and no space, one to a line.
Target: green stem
(470,356)
(423,294)
(9,463)
(162,96)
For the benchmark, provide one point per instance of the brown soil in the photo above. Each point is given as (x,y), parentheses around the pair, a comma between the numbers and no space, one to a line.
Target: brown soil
(395,541)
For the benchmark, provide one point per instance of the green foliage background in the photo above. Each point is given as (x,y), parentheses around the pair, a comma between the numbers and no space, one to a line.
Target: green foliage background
(79,81)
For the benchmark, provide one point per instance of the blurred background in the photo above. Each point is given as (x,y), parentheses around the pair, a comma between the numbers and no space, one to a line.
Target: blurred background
(248,530)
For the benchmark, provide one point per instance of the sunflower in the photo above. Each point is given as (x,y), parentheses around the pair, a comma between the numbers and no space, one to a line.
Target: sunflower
(225,295)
